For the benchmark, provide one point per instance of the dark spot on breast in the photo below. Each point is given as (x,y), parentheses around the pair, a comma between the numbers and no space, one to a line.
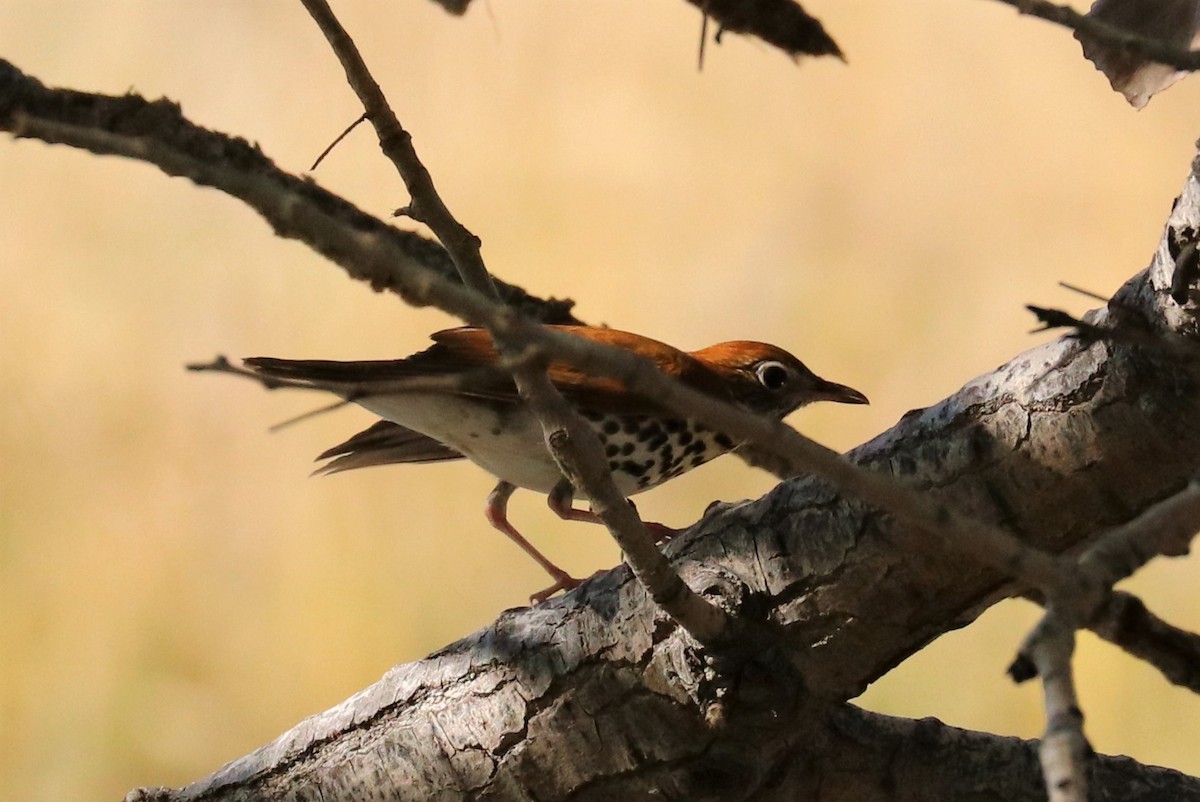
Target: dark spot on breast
(631,424)
(723,440)
(674,425)
(658,442)
(696,447)
(644,481)
(611,426)
(686,437)
(592,415)
(699,459)
(611,450)
(650,432)
(613,465)
(626,449)
(496,431)
(634,468)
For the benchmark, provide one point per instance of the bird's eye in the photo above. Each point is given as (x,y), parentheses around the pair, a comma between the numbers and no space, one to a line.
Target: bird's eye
(773,375)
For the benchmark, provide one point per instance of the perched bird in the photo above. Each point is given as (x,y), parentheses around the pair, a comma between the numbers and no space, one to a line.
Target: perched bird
(453,401)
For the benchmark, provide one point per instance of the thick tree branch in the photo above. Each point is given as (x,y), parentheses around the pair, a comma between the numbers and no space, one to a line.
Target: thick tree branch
(876,756)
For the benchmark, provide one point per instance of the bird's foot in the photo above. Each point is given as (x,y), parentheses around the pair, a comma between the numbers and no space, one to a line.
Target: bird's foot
(562,581)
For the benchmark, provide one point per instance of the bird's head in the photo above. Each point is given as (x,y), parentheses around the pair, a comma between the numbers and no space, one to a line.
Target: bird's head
(768,380)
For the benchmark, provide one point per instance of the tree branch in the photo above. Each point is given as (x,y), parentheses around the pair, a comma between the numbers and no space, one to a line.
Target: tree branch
(1125,622)
(1103,32)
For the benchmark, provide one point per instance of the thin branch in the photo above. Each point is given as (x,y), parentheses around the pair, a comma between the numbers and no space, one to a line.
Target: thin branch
(571,440)
(329,148)
(426,204)
(1100,31)
(1125,622)
(352,390)
(1165,529)
(1181,349)
(1095,296)
(1064,749)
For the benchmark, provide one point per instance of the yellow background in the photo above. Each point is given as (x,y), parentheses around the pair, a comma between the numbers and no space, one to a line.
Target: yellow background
(174,589)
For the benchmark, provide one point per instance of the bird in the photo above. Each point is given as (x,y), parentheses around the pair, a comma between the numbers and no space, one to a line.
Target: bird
(455,400)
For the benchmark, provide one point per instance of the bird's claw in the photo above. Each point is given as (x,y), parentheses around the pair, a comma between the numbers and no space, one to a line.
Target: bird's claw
(562,582)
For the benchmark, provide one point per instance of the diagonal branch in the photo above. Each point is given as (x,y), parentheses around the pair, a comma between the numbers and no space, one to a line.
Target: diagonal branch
(571,441)
(1100,31)
(1125,622)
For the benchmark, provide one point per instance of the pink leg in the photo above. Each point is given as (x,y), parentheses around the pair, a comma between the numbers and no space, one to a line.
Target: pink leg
(497,515)
(561,501)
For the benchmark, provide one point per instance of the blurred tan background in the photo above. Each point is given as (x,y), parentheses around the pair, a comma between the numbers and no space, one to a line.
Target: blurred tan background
(175,591)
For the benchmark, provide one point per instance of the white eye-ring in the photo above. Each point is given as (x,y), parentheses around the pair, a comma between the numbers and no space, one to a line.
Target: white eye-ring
(773,375)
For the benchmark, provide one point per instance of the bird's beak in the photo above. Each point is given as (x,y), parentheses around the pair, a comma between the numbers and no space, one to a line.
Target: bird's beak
(831,391)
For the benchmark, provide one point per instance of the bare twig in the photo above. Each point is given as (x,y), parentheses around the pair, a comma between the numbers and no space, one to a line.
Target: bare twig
(351,390)
(1064,749)
(1101,31)
(426,204)
(1060,319)
(1125,622)
(1184,351)
(1095,296)
(329,148)
(1165,529)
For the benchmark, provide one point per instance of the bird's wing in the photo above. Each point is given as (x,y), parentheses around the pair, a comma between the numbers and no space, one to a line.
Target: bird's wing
(384,443)
(469,354)
(473,347)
